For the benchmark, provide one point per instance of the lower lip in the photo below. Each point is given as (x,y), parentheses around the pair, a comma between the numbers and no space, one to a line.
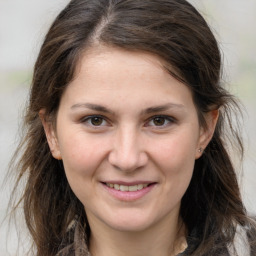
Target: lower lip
(129,195)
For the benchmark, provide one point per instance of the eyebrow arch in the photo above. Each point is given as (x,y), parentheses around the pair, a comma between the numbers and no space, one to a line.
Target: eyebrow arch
(91,106)
(163,108)
(149,110)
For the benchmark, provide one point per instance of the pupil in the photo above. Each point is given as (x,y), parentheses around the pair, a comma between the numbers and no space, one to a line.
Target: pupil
(158,121)
(96,121)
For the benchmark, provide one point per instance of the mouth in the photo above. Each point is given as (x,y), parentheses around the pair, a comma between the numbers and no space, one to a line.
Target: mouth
(131,188)
(128,191)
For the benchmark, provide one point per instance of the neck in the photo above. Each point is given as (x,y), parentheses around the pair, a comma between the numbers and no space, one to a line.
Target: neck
(158,240)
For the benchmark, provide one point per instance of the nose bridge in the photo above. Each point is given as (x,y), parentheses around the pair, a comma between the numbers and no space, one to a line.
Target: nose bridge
(127,152)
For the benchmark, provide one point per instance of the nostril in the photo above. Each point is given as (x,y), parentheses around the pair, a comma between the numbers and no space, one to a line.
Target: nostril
(127,153)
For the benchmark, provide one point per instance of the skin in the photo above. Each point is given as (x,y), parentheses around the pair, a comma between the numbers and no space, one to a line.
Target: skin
(146,130)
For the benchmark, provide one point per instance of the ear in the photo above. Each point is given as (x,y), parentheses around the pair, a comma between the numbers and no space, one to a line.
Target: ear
(207,132)
(50,135)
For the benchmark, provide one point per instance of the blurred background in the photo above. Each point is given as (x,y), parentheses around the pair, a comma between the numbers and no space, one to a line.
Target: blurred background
(23,24)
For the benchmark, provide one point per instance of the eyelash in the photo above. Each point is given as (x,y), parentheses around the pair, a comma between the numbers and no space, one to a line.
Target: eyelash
(168,120)
(88,121)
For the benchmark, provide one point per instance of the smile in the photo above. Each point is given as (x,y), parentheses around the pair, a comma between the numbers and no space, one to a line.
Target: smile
(128,191)
(127,188)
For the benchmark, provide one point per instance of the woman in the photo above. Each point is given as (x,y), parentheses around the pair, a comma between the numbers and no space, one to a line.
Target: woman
(126,148)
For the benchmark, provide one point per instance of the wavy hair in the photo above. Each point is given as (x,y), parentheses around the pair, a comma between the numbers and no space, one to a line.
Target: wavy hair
(175,31)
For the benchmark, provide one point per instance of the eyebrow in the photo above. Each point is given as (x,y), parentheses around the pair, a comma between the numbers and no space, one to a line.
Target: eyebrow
(149,110)
(163,108)
(91,106)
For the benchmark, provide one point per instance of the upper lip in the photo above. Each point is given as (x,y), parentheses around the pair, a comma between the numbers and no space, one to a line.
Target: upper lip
(125,183)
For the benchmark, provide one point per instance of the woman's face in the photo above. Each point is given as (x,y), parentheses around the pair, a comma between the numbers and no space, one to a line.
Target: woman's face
(128,135)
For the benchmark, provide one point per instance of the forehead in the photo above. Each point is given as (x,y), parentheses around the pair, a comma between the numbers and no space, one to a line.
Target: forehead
(111,74)
(104,59)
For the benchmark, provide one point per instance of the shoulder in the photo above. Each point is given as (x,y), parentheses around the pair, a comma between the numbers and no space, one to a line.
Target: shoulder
(78,247)
(240,245)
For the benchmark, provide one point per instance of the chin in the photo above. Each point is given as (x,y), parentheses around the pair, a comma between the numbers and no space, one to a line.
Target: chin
(131,221)
(130,226)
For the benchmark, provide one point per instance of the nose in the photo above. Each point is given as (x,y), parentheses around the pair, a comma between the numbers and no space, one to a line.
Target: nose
(127,153)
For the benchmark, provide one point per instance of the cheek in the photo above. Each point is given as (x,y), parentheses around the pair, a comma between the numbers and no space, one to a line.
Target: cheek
(176,151)
(81,158)
(177,167)
(175,158)
(81,154)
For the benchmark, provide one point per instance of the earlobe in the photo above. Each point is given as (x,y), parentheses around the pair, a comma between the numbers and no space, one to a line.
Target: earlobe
(50,135)
(207,132)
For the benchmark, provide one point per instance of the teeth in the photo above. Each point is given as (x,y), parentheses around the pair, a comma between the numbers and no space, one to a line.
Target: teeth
(134,188)
(116,186)
(123,188)
(141,186)
(127,188)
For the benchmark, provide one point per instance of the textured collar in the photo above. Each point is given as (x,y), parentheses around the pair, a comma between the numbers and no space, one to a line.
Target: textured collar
(79,246)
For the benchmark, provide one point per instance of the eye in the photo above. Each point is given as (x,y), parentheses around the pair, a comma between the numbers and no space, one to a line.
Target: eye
(95,121)
(160,121)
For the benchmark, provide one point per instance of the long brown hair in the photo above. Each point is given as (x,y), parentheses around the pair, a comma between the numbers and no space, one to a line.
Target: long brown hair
(173,30)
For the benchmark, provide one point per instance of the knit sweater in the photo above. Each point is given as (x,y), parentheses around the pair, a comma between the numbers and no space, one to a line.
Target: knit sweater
(79,246)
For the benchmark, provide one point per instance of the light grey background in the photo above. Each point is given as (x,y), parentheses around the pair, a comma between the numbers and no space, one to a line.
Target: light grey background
(23,24)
